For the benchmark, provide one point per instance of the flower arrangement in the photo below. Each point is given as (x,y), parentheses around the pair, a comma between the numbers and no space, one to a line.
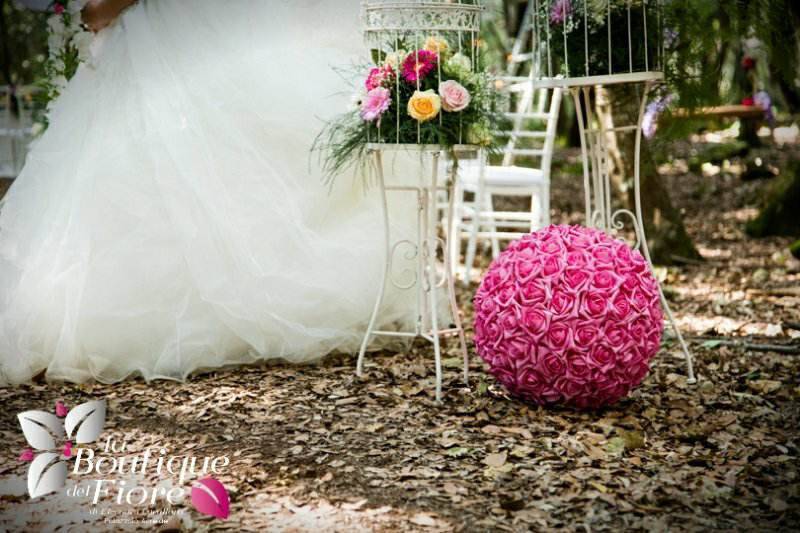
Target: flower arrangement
(575,35)
(426,94)
(68,46)
(568,315)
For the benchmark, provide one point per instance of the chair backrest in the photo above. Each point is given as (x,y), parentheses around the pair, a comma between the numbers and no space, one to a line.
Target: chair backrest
(534,117)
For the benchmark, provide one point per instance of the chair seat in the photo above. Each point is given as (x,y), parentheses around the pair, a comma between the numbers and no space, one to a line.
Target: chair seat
(499,176)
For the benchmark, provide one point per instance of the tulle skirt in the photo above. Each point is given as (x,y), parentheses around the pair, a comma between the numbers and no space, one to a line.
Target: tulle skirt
(172,217)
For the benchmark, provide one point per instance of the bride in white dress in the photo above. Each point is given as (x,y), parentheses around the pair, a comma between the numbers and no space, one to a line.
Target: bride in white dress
(171,218)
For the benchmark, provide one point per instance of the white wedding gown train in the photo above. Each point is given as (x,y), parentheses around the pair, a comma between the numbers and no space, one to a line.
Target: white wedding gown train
(171,218)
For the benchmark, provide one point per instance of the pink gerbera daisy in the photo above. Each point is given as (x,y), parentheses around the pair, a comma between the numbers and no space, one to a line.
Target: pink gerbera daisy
(418,65)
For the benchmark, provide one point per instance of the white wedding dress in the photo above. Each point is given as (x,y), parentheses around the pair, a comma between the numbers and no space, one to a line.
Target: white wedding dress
(172,218)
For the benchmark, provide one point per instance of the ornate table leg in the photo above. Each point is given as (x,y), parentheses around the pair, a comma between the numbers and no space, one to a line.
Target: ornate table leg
(597,188)
(387,265)
(451,259)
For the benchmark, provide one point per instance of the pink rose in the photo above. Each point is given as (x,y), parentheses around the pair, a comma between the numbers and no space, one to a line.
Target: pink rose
(603,255)
(375,104)
(639,329)
(577,366)
(529,378)
(577,258)
(602,357)
(636,372)
(604,280)
(621,307)
(617,335)
(526,270)
(595,303)
(508,320)
(562,303)
(454,96)
(576,278)
(505,296)
(552,266)
(552,365)
(491,332)
(585,335)
(638,300)
(568,388)
(535,321)
(533,293)
(558,335)
(553,246)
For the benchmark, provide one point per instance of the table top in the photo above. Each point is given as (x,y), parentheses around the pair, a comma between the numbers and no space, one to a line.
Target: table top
(388,147)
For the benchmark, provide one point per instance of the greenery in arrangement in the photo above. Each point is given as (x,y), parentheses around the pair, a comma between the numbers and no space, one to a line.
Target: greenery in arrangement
(68,44)
(430,95)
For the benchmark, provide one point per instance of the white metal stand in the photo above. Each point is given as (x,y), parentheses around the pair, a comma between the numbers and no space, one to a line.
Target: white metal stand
(596,176)
(426,280)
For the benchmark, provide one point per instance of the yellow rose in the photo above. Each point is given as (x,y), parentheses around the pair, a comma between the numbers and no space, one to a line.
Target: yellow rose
(435,44)
(424,105)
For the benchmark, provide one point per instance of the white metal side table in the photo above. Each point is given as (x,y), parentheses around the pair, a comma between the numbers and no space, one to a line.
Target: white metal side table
(424,248)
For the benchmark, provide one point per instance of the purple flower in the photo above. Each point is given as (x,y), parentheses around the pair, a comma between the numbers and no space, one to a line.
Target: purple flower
(375,104)
(762,100)
(560,11)
(651,113)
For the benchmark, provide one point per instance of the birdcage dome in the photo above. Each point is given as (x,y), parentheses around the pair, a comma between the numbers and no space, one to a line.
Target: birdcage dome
(384,18)
(584,42)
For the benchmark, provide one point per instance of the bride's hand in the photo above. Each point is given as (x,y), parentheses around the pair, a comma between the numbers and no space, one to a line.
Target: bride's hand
(97,14)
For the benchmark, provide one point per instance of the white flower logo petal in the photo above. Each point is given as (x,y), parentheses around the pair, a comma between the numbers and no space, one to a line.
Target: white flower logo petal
(46,474)
(41,429)
(88,418)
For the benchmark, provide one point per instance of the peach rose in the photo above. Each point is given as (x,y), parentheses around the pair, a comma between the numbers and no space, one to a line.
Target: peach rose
(424,105)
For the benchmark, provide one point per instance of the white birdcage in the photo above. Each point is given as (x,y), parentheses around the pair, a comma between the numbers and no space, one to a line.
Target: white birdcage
(586,42)
(395,28)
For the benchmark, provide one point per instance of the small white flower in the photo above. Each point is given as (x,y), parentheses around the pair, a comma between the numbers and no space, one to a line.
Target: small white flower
(55,25)
(395,58)
(83,43)
(460,61)
(55,42)
(75,6)
(357,98)
(60,82)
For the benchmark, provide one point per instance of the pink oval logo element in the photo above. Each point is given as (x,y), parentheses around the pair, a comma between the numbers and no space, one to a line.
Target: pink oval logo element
(209,497)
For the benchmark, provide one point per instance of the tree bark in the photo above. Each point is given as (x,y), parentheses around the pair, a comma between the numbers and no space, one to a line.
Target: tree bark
(782,203)
(663,224)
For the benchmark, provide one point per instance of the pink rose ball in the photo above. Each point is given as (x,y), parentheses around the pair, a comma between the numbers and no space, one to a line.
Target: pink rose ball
(568,315)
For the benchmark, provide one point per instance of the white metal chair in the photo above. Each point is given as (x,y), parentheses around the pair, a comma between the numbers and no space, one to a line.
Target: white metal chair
(478,218)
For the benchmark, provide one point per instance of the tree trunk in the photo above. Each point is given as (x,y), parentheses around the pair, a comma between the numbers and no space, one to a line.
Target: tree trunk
(663,224)
(782,203)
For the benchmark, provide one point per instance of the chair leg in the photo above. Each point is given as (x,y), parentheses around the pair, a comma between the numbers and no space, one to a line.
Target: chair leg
(545,203)
(493,225)
(536,211)
(472,241)
(454,231)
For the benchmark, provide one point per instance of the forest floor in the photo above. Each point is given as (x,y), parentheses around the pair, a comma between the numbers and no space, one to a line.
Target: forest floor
(314,448)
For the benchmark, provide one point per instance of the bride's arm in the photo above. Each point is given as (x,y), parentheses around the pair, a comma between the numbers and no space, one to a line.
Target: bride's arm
(97,14)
